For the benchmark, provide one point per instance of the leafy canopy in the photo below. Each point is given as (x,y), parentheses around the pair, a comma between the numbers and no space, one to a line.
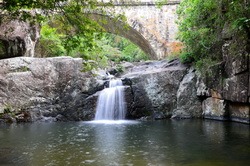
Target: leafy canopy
(71,17)
(67,29)
(119,49)
(109,48)
(201,23)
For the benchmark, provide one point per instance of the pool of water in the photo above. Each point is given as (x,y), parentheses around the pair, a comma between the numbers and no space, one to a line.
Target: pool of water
(128,143)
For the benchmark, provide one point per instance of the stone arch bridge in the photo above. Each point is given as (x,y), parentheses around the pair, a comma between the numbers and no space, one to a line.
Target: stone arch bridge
(151,26)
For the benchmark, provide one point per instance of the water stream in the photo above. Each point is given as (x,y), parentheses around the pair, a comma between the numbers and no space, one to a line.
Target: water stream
(111,104)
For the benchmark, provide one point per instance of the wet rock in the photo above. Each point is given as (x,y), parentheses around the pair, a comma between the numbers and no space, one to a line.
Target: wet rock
(112,71)
(23,117)
(60,117)
(146,118)
(126,81)
(158,115)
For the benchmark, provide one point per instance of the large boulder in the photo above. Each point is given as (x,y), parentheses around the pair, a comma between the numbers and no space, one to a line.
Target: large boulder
(154,87)
(47,87)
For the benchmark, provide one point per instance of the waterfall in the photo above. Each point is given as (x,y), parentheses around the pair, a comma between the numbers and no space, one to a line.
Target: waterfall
(111,104)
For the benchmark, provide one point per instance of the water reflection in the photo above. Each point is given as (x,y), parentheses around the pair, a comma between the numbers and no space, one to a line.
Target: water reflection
(109,140)
(170,142)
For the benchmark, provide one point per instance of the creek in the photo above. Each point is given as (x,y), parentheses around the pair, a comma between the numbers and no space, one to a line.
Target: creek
(165,142)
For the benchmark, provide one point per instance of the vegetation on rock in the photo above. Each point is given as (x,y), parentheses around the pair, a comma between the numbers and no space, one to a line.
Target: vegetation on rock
(202,24)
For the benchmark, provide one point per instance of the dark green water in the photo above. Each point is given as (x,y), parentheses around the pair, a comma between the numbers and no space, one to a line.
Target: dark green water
(159,143)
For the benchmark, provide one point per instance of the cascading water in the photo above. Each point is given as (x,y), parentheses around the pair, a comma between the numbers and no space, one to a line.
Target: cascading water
(111,104)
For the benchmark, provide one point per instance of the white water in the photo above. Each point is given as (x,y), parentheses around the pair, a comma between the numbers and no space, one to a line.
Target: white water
(111,104)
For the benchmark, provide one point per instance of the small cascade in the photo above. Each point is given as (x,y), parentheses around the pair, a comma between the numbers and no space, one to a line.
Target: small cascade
(111,104)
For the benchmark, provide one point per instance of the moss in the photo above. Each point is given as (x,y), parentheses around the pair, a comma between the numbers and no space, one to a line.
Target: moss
(22,69)
(7,109)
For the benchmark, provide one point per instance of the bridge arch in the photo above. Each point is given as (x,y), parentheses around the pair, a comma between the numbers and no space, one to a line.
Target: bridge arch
(126,31)
(151,27)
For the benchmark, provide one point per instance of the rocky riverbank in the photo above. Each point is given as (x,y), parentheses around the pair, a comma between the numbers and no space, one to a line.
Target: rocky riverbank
(55,89)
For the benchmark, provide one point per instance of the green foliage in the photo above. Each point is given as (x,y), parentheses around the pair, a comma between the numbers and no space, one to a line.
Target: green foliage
(201,23)
(119,49)
(7,109)
(120,68)
(67,29)
(51,42)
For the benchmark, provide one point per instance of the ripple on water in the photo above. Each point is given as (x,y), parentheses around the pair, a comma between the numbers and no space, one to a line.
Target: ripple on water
(113,122)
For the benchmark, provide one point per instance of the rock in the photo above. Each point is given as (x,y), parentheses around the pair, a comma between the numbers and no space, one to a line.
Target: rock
(214,108)
(236,88)
(226,32)
(23,117)
(188,104)
(47,87)
(146,118)
(126,81)
(154,87)
(202,89)
(129,99)
(239,112)
(214,77)
(60,117)
(112,71)
(158,115)
(235,56)
(18,39)
(48,119)
(228,82)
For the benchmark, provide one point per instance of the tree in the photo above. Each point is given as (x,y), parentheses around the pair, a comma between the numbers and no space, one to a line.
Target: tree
(118,49)
(201,23)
